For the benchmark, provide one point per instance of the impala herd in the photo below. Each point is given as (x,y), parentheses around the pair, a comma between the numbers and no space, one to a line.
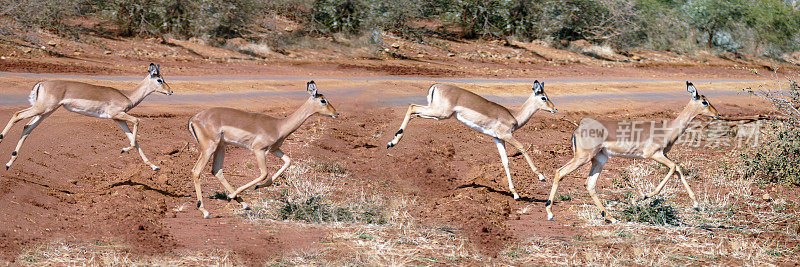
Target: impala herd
(213,129)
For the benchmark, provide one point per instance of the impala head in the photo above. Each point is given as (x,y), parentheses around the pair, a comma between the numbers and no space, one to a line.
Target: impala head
(541,97)
(701,103)
(157,81)
(320,104)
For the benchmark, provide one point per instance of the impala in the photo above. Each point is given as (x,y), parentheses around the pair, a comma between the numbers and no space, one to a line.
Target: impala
(597,141)
(91,100)
(483,115)
(215,128)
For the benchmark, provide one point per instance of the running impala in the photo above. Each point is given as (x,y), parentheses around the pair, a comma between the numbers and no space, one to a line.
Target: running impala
(597,141)
(91,100)
(482,115)
(260,133)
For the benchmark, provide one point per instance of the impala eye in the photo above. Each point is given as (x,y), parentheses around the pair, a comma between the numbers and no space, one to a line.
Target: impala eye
(323,101)
(544,98)
(160,81)
(705,103)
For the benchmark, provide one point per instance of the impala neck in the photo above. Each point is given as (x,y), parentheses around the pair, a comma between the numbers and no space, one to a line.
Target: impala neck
(291,123)
(681,123)
(525,114)
(138,94)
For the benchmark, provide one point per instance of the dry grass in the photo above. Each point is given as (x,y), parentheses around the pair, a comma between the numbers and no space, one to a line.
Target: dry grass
(108,254)
(735,225)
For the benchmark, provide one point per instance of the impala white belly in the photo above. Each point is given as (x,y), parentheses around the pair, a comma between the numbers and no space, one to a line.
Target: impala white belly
(463,116)
(87,112)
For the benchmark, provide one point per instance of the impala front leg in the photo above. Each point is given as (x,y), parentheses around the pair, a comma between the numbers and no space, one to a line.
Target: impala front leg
(261,159)
(286,162)
(120,120)
(524,152)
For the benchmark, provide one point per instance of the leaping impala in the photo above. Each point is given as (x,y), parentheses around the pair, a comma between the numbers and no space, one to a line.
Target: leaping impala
(597,141)
(216,127)
(482,115)
(91,100)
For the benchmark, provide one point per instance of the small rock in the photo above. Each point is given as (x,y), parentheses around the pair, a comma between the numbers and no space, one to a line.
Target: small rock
(451,54)
(420,55)
(52,43)
(26,50)
(766,197)
(107,52)
(396,45)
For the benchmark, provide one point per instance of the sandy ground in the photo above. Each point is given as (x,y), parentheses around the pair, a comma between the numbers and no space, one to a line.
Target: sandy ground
(71,182)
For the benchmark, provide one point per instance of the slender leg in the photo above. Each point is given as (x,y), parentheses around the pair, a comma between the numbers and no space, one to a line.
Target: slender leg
(501,147)
(661,158)
(511,140)
(25,132)
(597,166)
(695,204)
(120,119)
(216,170)
(19,115)
(261,159)
(205,155)
(413,110)
(216,167)
(286,161)
(573,164)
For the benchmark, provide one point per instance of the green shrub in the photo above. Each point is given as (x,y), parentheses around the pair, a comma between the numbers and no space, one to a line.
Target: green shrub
(655,212)
(777,158)
(318,209)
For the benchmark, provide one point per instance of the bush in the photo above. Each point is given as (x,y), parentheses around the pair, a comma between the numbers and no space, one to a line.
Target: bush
(317,209)
(777,158)
(656,212)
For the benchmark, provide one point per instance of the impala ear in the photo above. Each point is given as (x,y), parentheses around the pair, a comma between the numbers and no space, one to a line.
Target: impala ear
(158,69)
(538,88)
(152,69)
(692,90)
(311,87)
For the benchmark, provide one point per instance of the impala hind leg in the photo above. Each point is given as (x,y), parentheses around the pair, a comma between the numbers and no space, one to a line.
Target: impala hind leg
(216,170)
(205,155)
(19,115)
(501,148)
(414,110)
(521,148)
(597,166)
(121,120)
(572,165)
(26,130)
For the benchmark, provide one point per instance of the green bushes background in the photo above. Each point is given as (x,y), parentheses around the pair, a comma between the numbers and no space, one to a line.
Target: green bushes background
(764,27)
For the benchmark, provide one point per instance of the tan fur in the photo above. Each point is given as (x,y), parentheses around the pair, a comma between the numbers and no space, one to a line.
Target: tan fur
(90,100)
(216,127)
(487,117)
(619,143)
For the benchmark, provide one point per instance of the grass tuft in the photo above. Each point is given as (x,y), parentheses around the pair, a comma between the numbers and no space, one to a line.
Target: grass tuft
(657,212)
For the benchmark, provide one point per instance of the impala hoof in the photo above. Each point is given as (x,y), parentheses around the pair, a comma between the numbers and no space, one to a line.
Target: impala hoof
(1,137)
(541,178)
(206,215)
(7,166)
(550,217)
(245,206)
(516,197)
(389,145)
(231,197)
(156,169)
